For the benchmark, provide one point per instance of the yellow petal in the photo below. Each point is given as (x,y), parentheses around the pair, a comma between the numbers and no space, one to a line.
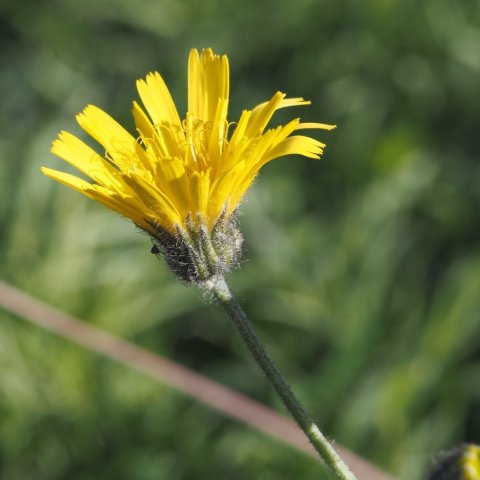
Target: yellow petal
(286,102)
(208,82)
(241,187)
(240,128)
(160,106)
(119,204)
(224,191)
(154,199)
(159,139)
(171,178)
(99,194)
(297,145)
(81,156)
(321,126)
(217,140)
(123,149)
(66,179)
(199,191)
(262,114)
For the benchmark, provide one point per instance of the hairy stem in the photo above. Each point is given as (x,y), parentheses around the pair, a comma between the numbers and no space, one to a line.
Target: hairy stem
(220,291)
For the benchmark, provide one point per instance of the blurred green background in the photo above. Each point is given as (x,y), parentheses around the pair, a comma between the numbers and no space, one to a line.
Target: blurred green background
(361,271)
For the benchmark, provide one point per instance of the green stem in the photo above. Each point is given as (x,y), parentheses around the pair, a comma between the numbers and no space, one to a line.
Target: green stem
(219,289)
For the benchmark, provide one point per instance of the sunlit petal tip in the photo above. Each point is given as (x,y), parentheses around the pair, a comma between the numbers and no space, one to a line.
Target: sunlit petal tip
(56,146)
(67,179)
(81,116)
(295,102)
(315,125)
(193,55)
(50,172)
(87,108)
(140,83)
(57,142)
(152,77)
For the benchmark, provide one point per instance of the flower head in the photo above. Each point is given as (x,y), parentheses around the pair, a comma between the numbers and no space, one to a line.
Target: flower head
(177,178)
(460,463)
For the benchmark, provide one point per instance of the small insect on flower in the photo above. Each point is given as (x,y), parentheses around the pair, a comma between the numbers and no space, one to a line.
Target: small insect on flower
(182,181)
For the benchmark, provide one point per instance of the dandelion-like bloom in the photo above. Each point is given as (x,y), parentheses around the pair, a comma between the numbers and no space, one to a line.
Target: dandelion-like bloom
(181,181)
(460,463)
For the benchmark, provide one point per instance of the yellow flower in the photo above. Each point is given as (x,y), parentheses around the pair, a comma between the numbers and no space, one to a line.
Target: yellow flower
(460,463)
(174,172)
(471,463)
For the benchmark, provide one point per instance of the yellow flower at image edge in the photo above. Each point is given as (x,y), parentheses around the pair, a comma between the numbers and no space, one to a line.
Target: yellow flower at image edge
(460,463)
(471,463)
(183,180)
